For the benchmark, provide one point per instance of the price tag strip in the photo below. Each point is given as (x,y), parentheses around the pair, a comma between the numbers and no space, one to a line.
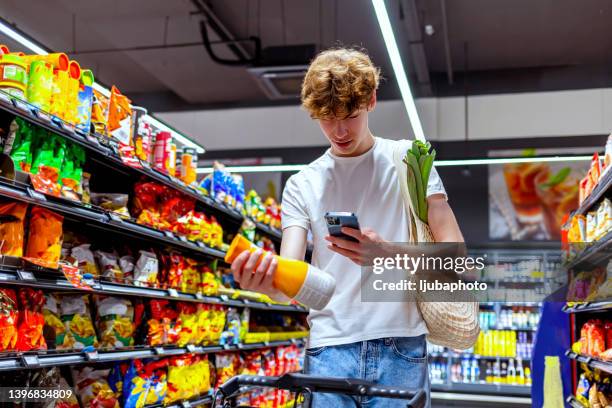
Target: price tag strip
(30,361)
(92,355)
(159,351)
(35,194)
(173,293)
(25,275)
(191,348)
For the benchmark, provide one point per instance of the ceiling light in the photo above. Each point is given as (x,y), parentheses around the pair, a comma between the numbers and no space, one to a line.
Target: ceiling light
(438,163)
(9,31)
(398,67)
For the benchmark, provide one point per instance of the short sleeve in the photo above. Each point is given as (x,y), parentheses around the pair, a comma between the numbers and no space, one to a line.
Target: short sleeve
(293,206)
(435,185)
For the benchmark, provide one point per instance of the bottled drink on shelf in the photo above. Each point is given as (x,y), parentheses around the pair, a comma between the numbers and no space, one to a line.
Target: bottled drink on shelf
(511,373)
(489,373)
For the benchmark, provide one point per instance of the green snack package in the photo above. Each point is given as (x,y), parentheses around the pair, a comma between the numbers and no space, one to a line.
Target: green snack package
(21,152)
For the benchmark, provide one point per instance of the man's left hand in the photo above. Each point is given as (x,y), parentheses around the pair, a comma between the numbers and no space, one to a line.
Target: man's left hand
(361,252)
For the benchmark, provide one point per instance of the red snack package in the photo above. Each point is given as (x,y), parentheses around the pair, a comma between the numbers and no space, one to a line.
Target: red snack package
(31,320)
(598,339)
(12,215)
(608,328)
(175,207)
(163,325)
(45,238)
(147,195)
(8,320)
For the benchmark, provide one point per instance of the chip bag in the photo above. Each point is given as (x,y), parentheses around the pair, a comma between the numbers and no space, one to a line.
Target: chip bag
(99,113)
(12,215)
(8,319)
(115,321)
(163,327)
(146,269)
(31,320)
(45,238)
(86,260)
(120,117)
(188,321)
(92,387)
(76,315)
(57,335)
(109,266)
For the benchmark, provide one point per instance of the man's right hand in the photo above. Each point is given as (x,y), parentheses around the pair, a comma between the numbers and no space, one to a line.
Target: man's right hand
(257,278)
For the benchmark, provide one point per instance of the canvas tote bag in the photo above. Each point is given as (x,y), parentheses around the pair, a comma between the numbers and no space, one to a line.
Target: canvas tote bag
(450,324)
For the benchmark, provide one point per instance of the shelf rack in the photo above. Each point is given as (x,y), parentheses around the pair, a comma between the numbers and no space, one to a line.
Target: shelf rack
(604,183)
(596,306)
(574,403)
(107,149)
(595,252)
(483,388)
(590,361)
(33,360)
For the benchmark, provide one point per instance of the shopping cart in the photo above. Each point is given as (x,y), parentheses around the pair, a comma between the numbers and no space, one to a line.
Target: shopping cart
(305,385)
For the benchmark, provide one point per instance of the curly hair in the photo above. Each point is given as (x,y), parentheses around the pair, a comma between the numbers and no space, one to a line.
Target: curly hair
(339,82)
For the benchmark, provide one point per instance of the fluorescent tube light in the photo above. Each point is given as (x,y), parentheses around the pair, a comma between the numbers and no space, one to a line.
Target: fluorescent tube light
(438,163)
(398,67)
(37,49)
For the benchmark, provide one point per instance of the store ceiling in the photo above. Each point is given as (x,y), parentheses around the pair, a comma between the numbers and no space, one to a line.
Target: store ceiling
(512,45)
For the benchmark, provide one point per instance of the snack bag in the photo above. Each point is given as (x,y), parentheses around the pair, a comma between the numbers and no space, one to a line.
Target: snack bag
(604,218)
(76,315)
(12,215)
(191,276)
(209,284)
(48,159)
(116,203)
(86,260)
(52,378)
(8,320)
(127,264)
(99,113)
(115,321)
(203,314)
(179,387)
(217,323)
(146,269)
(120,117)
(31,320)
(109,266)
(21,148)
(173,270)
(188,322)
(71,175)
(45,238)
(51,313)
(227,365)
(92,388)
(231,334)
(163,327)
(145,384)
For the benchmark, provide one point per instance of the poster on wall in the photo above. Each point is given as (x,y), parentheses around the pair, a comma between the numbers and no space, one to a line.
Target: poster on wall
(528,201)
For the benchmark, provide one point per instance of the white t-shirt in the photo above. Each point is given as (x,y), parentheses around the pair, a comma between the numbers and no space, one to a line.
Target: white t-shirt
(366,185)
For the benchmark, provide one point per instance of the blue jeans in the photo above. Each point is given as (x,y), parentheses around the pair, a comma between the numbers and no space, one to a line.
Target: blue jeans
(397,361)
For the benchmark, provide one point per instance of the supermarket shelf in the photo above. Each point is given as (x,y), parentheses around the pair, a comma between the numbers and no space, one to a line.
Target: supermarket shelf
(604,183)
(480,398)
(510,304)
(594,253)
(590,361)
(101,219)
(483,388)
(470,355)
(54,280)
(574,403)
(33,360)
(107,149)
(598,306)
(202,400)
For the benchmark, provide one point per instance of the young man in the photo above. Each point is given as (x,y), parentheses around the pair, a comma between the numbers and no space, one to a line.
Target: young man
(382,342)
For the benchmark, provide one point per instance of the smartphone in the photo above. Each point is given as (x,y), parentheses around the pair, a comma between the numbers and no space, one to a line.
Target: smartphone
(338,219)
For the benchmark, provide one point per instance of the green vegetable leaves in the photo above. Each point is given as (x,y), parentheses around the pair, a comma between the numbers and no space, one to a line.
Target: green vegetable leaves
(419,162)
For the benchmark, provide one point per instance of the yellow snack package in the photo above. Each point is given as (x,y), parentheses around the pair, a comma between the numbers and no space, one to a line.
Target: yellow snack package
(76,315)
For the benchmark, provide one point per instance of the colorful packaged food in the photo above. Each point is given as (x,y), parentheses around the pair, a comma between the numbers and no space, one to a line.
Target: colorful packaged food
(85,101)
(12,215)
(114,202)
(188,321)
(189,165)
(127,264)
(56,337)
(162,152)
(115,321)
(146,269)
(92,388)
(604,218)
(44,238)
(71,173)
(231,332)
(31,320)
(40,85)
(86,260)
(120,117)
(591,226)
(99,113)
(51,378)
(8,319)
(109,266)
(21,148)
(145,383)
(163,327)
(76,315)
(228,365)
